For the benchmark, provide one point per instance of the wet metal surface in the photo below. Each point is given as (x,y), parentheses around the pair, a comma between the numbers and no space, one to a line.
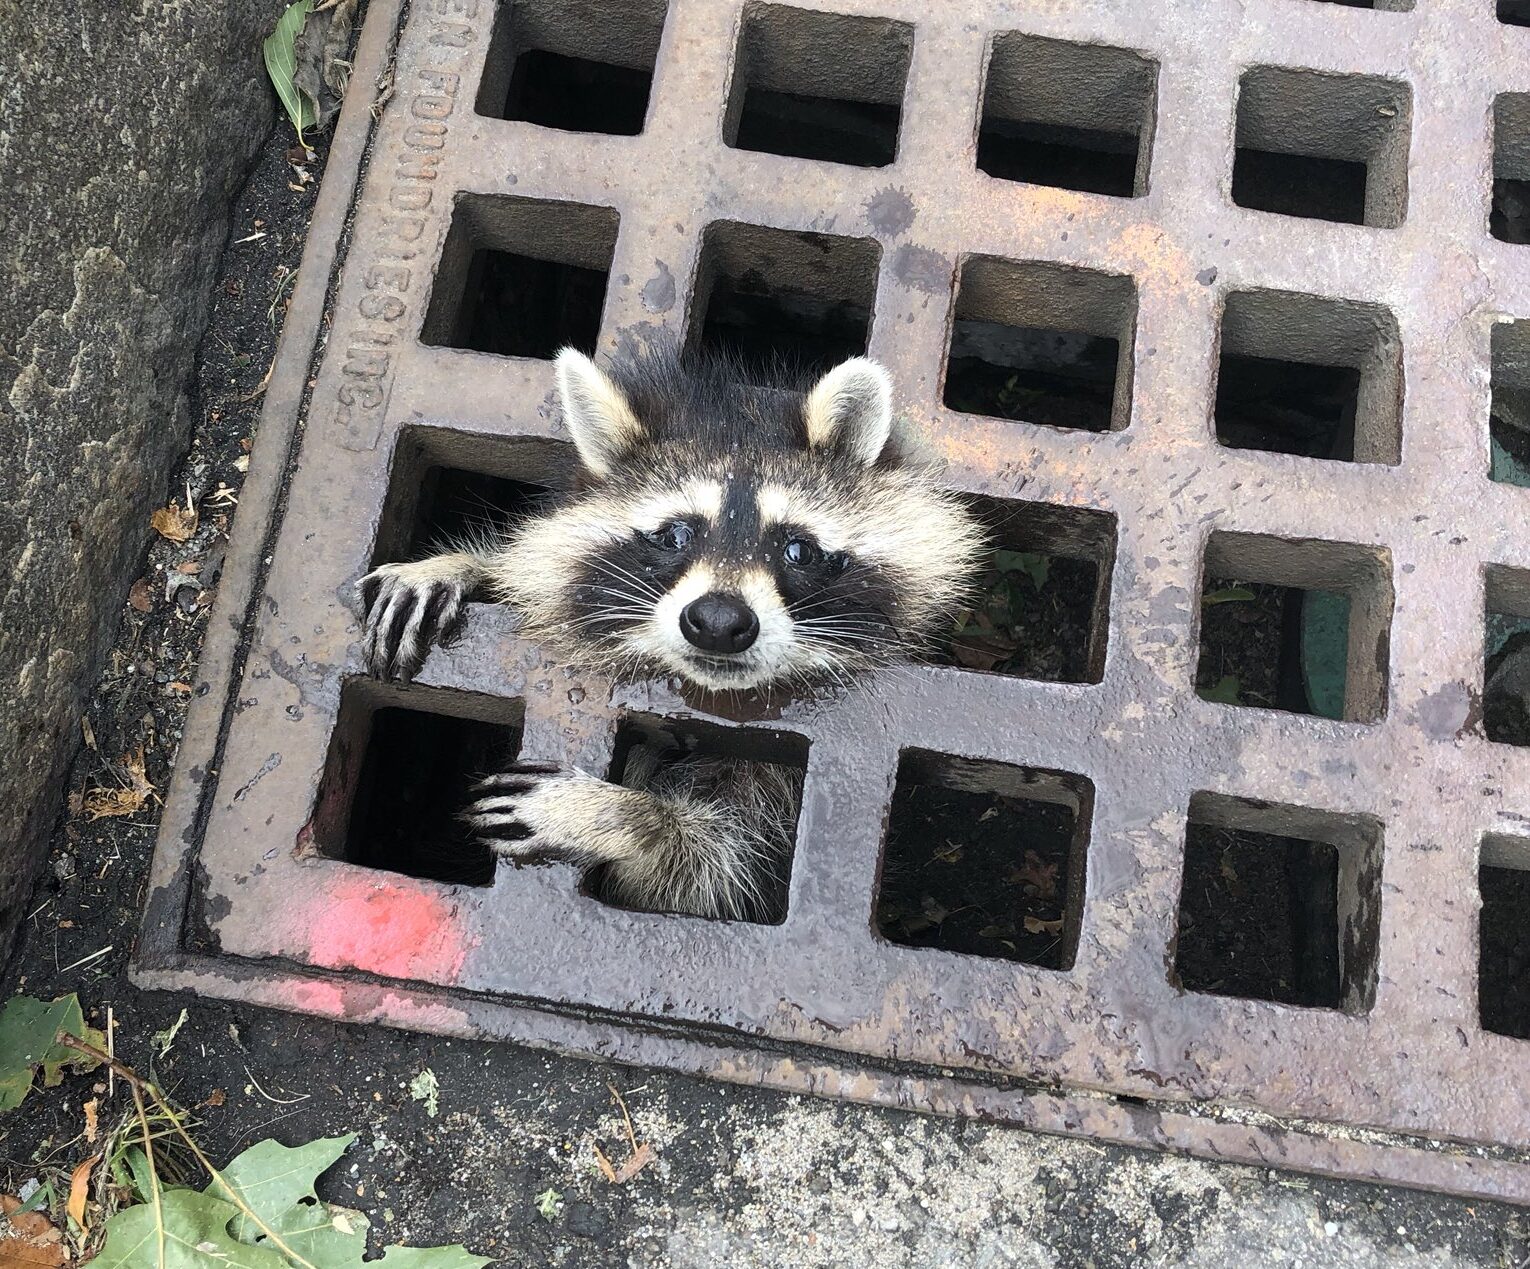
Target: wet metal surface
(1401,1082)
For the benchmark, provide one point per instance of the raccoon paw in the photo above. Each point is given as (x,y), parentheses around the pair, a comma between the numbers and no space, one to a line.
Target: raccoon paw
(516,813)
(408,608)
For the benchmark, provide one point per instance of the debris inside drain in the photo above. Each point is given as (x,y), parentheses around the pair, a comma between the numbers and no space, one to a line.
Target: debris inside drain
(416,776)
(1503,976)
(1287,407)
(1032,375)
(1506,695)
(977,873)
(1031,618)
(1274,647)
(1258,917)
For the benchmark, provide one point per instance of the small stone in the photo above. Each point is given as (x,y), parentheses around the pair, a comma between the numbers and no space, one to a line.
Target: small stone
(1330,1228)
(585,1220)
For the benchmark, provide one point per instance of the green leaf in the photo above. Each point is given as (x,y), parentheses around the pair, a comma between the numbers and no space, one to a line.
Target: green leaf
(1224,691)
(454,1257)
(164,1039)
(138,1169)
(331,1237)
(271,1177)
(324,1235)
(281,64)
(424,1087)
(27,1031)
(42,1197)
(548,1203)
(1227,595)
(1034,565)
(195,1237)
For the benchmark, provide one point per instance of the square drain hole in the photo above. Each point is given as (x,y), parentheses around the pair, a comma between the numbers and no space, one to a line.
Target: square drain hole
(1503,966)
(775,298)
(1509,421)
(521,277)
(572,65)
(678,756)
(1077,116)
(1509,219)
(446,486)
(401,764)
(1506,649)
(1316,377)
(819,85)
(1514,12)
(1327,147)
(1042,606)
(1042,343)
(985,859)
(1279,903)
(1295,625)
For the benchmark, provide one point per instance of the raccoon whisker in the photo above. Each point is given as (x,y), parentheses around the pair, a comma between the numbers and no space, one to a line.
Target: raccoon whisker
(815,605)
(644,585)
(607,614)
(832,634)
(841,623)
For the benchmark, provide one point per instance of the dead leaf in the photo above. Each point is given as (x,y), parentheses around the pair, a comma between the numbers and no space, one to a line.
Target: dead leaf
(216,1098)
(88,732)
(30,1253)
(136,772)
(174,523)
(319,51)
(92,1110)
(79,1186)
(641,1158)
(140,595)
(190,567)
(103,803)
(1035,925)
(76,802)
(973,652)
(31,1242)
(1038,873)
(27,1224)
(106,804)
(604,1164)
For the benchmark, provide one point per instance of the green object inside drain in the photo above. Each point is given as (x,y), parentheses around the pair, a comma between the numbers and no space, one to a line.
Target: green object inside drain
(1506,469)
(1325,650)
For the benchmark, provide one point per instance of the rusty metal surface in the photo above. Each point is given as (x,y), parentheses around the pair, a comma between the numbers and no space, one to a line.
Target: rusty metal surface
(1402,1083)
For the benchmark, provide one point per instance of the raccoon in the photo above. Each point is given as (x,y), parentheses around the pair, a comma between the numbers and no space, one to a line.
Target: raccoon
(736,535)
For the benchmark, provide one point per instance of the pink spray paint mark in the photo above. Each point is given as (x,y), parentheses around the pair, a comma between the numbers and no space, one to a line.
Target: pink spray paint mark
(389,929)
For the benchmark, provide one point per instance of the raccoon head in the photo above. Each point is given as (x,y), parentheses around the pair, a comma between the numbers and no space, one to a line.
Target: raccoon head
(734,535)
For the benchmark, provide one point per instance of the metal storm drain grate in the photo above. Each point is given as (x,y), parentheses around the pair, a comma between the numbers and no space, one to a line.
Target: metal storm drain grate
(1100,246)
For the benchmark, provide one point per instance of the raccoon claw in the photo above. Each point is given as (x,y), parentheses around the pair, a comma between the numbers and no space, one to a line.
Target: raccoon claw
(501,816)
(408,610)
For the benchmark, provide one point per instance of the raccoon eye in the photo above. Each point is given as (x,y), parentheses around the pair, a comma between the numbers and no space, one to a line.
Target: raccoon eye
(672,537)
(801,553)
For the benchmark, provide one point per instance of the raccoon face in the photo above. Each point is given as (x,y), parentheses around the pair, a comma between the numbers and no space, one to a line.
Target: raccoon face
(737,536)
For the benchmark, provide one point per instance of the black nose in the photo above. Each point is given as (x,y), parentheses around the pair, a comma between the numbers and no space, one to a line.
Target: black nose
(719,623)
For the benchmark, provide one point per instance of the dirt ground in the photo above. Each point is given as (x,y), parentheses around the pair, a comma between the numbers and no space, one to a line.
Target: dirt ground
(741,1178)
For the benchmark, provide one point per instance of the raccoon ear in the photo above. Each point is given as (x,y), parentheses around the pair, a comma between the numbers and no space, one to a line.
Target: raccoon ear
(596,412)
(850,409)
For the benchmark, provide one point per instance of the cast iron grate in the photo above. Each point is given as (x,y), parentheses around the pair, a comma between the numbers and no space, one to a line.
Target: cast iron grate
(1194,423)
